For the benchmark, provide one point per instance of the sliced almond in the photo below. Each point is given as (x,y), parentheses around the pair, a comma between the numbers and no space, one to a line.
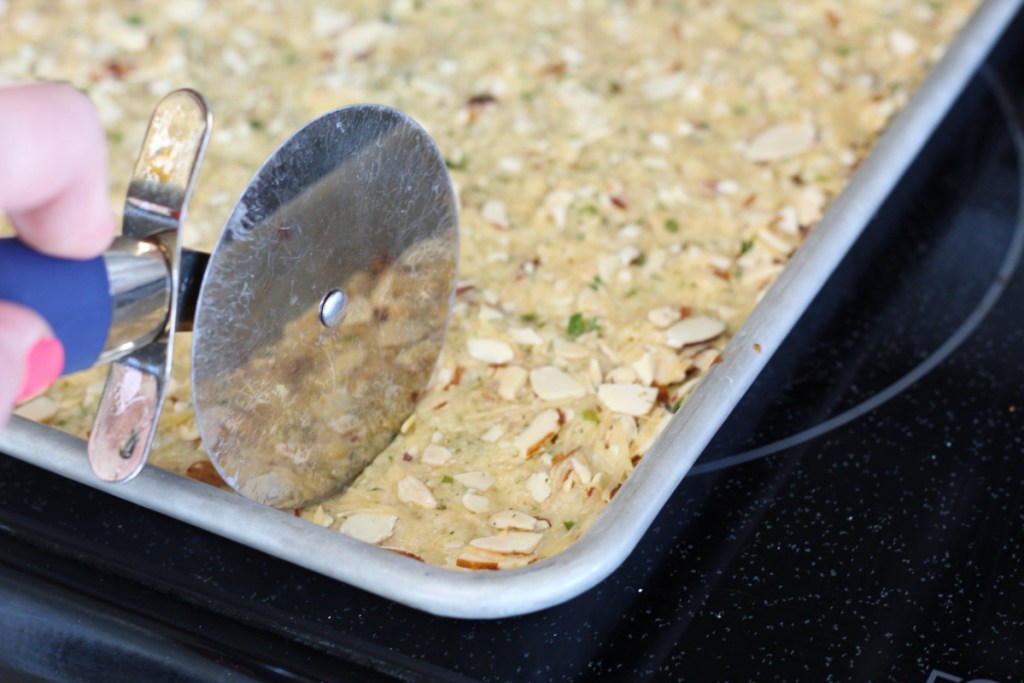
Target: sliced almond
(608,352)
(902,44)
(652,429)
(727,187)
(321,518)
(404,553)
(414,492)
(442,377)
(539,486)
(561,475)
(493,434)
(512,519)
(621,375)
(369,527)
(629,254)
(556,205)
(614,454)
(628,399)
(581,470)
(809,205)
(775,241)
(552,384)
(511,379)
(664,316)
(409,424)
(774,234)
(672,369)
(526,336)
(510,543)
(623,430)
(491,351)
(436,455)
(481,481)
(665,86)
(644,367)
(696,329)
(780,142)
(570,350)
(494,212)
(474,502)
(490,313)
(474,558)
(544,428)
(39,409)
(687,387)
(706,358)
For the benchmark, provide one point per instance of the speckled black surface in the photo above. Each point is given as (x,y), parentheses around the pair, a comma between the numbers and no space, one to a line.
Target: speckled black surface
(885,548)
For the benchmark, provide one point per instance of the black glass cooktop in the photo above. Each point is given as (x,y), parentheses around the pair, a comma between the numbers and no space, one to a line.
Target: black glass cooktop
(859,517)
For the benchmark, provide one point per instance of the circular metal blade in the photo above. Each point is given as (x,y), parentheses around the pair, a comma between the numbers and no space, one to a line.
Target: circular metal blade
(324,305)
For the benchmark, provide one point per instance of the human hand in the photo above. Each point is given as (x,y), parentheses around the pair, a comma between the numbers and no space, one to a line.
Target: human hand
(53,188)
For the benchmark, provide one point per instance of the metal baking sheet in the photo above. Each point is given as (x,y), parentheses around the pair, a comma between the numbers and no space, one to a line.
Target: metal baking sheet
(561,577)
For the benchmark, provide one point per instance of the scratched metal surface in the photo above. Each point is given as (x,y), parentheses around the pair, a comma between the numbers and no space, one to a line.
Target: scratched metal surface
(290,409)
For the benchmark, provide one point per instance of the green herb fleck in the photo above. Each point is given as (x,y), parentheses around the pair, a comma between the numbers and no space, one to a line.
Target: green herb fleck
(134,19)
(589,208)
(115,137)
(844,50)
(529,317)
(256,124)
(739,110)
(577,325)
(596,282)
(447,479)
(672,225)
(591,416)
(569,524)
(641,259)
(631,292)
(746,245)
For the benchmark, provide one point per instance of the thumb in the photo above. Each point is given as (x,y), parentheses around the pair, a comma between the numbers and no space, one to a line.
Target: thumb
(31,357)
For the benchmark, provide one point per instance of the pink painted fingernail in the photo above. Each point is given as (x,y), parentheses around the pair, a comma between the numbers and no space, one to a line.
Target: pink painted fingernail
(45,363)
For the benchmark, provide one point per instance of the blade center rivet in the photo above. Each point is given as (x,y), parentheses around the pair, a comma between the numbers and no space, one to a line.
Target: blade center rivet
(333,308)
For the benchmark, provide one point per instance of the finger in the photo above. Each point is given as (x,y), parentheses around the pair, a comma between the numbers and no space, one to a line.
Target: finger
(53,172)
(31,358)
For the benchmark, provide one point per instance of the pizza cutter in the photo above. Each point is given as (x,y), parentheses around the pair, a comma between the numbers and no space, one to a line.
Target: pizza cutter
(316,321)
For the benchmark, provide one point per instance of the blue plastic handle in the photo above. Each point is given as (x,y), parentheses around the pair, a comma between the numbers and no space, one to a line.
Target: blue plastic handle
(72,295)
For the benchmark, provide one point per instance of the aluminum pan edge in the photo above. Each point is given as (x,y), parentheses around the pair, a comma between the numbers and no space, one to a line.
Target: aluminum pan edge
(489,595)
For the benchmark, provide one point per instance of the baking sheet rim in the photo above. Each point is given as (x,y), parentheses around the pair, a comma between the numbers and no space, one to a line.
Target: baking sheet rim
(488,595)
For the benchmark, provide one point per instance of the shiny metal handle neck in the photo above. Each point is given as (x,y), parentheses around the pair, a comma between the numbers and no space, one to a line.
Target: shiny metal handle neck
(139,281)
(139,278)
